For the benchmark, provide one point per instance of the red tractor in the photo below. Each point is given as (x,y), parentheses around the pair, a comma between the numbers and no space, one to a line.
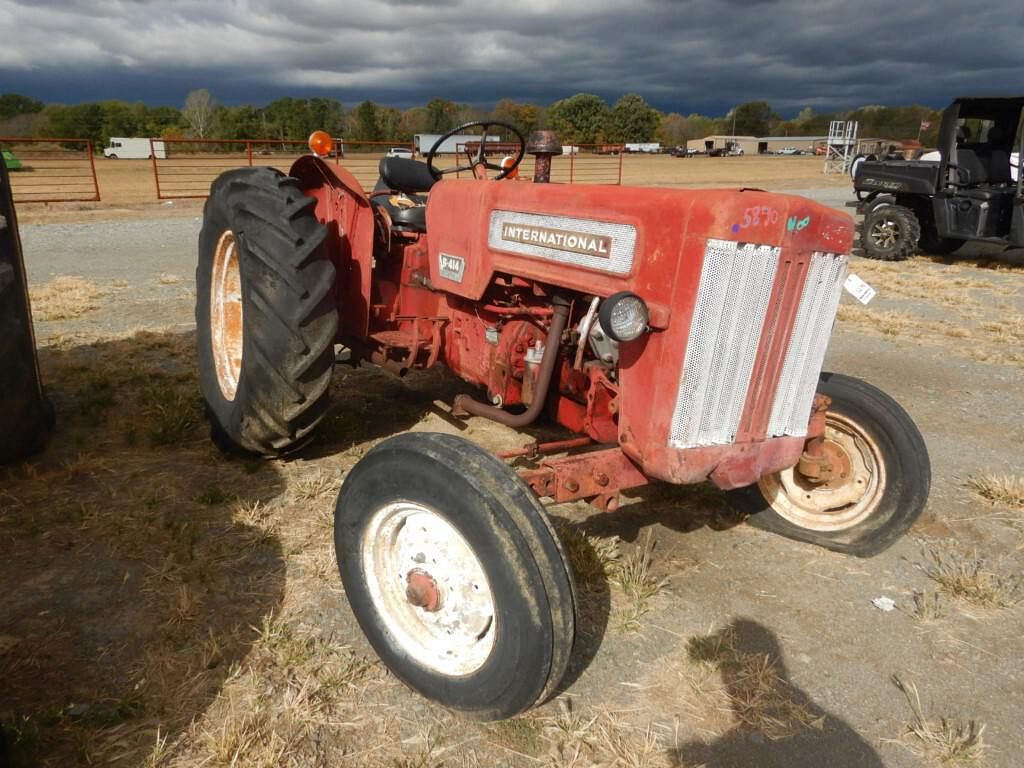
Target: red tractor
(678,335)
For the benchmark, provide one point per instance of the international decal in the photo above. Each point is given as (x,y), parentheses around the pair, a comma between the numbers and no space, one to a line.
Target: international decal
(559,239)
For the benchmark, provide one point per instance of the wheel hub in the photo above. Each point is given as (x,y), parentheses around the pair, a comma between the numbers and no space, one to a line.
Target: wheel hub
(849,496)
(422,590)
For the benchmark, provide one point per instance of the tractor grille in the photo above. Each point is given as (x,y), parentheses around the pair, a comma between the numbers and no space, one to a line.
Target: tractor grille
(729,322)
(807,344)
(735,284)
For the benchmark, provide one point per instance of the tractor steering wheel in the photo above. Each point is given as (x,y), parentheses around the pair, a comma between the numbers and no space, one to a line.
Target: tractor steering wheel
(478,160)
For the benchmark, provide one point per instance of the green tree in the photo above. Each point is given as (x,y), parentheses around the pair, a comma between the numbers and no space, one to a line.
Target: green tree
(580,119)
(14,104)
(365,125)
(753,118)
(389,121)
(632,119)
(441,115)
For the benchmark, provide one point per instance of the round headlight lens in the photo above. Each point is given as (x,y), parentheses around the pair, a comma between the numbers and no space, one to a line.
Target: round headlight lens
(624,316)
(321,143)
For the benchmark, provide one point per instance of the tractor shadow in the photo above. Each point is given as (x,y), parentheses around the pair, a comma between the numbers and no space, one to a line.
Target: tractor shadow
(777,724)
(679,508)
(137,558)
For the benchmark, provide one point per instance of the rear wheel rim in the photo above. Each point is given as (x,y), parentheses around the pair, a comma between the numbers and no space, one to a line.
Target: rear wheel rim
(843,502)
(450,627)
(226,330)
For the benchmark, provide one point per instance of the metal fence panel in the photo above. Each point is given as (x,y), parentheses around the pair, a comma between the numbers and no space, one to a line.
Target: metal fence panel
(51,170)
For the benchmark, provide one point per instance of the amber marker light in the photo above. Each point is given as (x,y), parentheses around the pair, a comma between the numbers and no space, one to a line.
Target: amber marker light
(321,143)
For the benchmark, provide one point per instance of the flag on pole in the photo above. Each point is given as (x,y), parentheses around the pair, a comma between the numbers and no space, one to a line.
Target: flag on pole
(925,125)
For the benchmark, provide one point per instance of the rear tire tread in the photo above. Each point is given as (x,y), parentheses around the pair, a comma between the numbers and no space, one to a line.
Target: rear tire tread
(289,316)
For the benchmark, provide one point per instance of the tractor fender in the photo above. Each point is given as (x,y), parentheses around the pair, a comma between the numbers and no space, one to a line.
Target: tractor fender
(343,206)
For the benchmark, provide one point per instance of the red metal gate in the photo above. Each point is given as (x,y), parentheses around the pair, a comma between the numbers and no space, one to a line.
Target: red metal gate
(187,167)
(52,170)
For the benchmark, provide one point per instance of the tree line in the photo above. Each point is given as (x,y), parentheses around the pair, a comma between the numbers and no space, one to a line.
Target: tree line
(581,119)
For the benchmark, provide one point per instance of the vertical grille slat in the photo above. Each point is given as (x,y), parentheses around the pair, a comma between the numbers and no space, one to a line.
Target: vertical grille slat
(805,354)
(735,286)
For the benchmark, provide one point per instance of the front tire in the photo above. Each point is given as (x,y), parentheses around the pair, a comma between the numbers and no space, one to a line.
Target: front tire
(455,575)
(887,477)
(889,233)
(265,314)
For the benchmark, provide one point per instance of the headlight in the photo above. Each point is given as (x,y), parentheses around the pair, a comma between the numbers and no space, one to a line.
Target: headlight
(623,316)
(321,143)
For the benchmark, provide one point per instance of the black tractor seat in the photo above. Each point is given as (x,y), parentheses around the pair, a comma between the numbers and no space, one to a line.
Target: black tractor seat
(404,179)
(404,175)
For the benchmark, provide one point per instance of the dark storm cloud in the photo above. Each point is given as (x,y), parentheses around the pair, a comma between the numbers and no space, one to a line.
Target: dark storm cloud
(682,55)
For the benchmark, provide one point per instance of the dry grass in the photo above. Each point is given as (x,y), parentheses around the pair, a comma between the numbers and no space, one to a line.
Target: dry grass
(601,739)
(64,298)
(946,742)
(634,575)
(928,606)
(744,687)
(592,559)
(972,579)
(1003,490)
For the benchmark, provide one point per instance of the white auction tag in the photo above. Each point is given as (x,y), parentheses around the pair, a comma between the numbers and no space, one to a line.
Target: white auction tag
(857,288)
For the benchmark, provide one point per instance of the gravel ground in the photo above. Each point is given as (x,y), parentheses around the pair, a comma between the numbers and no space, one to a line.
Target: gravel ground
(811,608)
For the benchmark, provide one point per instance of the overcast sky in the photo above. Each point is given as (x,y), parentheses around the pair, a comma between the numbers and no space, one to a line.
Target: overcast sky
(682,55)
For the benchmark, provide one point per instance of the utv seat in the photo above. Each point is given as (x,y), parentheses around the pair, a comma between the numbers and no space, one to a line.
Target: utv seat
(977,183)
(410,178)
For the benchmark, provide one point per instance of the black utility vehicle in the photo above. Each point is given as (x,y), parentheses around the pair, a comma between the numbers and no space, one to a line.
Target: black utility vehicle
(967,192)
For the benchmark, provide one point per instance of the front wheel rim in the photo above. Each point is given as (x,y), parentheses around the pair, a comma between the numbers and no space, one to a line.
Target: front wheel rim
(885,233)
(226,329)
(428,588)
(843,502)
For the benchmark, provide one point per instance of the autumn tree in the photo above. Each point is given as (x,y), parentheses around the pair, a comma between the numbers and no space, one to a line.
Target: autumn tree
(525,117)
(674,130)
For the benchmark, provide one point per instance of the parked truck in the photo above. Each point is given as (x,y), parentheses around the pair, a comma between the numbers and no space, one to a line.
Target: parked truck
(134,149)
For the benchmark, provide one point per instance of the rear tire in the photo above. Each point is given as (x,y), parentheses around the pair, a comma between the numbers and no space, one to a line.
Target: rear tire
(489,628)
(265,313)
(889,233)
(887,484)
(26,414)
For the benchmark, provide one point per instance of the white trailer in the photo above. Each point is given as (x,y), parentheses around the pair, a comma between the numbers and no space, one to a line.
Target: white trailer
(650,147)
(451,145)
(126,148)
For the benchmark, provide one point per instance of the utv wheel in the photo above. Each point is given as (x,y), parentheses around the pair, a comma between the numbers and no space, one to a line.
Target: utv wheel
(886,477)
(889,233)
(265,315)
(455,575)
